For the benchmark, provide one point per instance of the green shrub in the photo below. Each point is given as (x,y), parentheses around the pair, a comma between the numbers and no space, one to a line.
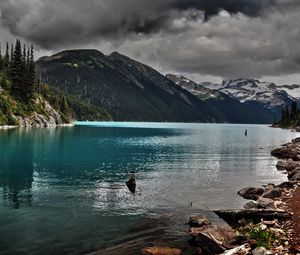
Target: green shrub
(262,237)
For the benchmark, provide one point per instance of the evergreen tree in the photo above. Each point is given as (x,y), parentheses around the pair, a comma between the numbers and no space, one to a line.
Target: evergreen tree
(17,73)
(282,116)
(294,111)
(6,60)
(1,59)
(287,116)
(30,74)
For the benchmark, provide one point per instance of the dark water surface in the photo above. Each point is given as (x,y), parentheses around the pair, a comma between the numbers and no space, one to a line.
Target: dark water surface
(62,190)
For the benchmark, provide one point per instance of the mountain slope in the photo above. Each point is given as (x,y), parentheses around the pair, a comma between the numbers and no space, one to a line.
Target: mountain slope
(127,89)
(231,108)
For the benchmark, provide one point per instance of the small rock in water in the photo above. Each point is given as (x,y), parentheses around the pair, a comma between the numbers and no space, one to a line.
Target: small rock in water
(198,221)
(163,250)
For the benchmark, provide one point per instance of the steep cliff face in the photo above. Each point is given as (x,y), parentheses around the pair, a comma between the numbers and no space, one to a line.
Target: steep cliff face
(49,117)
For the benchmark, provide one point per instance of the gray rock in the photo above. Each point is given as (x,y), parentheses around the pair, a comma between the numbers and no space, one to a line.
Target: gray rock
(211,241)
(261,251)
(273,193)
(286,185)
(281,165)
(196,221)
(265,203)
(251,193)
(295,177)
(251,205)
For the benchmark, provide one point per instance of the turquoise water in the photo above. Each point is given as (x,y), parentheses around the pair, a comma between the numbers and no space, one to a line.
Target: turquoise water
(62,190)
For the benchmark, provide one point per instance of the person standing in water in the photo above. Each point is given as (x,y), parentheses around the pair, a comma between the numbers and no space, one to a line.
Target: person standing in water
(246,132)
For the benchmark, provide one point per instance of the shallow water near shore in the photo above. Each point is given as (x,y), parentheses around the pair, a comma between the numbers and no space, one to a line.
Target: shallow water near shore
(62,190)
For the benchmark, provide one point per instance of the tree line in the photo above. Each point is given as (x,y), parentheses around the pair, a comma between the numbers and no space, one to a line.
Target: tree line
(17,65)
(290,116)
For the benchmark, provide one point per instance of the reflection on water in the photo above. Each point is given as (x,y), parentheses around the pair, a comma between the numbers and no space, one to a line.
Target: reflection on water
(64,188)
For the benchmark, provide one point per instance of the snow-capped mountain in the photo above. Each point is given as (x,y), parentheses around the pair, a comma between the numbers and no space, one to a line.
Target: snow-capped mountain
(268,94)
(227,106)
(194,88)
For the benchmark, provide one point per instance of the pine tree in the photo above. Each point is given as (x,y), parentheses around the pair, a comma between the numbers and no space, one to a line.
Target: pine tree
(30,74)
(1,59)
(6,58)
(294,111)
(17,73)
(282,116)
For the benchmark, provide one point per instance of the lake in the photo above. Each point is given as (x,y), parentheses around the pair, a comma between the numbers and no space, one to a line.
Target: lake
(62,190)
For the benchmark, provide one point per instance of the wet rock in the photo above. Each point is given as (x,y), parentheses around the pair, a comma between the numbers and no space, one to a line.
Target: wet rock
(265,203)
(251,205)
(273,193)
(251,193)
(198,221)
(281,165)
(164,250)
(261,251)
(286,152)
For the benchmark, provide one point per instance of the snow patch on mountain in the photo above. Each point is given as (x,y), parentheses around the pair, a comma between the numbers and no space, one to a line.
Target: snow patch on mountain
(267,93)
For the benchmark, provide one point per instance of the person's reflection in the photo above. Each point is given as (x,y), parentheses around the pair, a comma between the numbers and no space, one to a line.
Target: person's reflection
(16,171)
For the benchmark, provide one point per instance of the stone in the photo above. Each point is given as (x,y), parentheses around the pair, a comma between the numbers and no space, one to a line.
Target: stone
(163,250)
(269,186)
(251,193)
(295,176)
(286,185)
(240,250)
(273,193)
(251,205)
(265,203)
(211,241)
(228,233)
(261,251)
(281,165)
(198,221)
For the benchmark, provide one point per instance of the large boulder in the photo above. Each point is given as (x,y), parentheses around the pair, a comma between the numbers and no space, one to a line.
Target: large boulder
(273,193)
(163,250)
(251,193)
(211,241)
(199,220)
(286,152)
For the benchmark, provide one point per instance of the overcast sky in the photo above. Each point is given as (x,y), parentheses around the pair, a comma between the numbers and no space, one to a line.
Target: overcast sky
(202,39)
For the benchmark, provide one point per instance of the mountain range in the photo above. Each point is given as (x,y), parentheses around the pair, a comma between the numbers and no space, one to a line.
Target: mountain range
(126,89)
(131,91)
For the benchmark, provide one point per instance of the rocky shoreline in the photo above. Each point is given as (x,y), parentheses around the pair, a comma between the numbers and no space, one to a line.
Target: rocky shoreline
(266,225)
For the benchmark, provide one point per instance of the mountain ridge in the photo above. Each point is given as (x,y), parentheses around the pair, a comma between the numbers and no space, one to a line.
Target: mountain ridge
(127,89)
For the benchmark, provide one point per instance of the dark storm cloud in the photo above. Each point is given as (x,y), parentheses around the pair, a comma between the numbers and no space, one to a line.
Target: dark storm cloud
(227,38)
(52,22)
